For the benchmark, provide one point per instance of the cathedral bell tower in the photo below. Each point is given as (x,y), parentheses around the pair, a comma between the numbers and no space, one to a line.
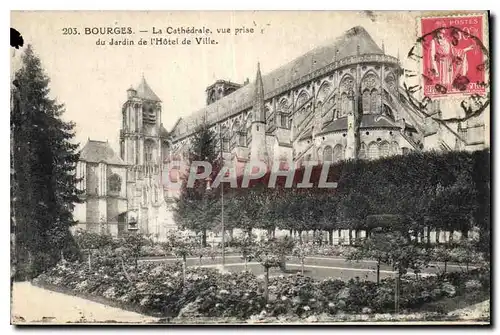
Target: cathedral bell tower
(140,148)
(258,151)
(140,143)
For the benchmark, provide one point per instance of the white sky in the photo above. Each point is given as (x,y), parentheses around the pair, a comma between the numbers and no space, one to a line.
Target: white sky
(92,80)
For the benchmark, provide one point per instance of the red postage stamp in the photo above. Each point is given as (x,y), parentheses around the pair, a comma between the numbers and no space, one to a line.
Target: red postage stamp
(453,55)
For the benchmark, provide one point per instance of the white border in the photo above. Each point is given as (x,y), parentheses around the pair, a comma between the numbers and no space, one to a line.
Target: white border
(198,5)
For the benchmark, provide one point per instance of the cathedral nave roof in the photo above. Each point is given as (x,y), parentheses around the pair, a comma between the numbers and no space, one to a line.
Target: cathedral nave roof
(355,40)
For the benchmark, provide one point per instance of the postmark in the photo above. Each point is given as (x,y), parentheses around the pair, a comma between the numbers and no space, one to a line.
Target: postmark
(449,62)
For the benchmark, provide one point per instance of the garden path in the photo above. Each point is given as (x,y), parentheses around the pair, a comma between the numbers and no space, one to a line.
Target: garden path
(31,304)
(474,312)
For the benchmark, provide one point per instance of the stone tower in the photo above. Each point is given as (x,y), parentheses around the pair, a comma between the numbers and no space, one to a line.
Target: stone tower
(258,151)
(140,148)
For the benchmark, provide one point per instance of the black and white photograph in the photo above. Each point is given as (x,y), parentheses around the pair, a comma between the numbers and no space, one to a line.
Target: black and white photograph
(250,168)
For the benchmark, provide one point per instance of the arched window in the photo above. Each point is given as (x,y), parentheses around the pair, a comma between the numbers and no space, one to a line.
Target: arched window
(225,138)
(324,91)
(149,148)
(302,98)
(327,154)
(156,194)
(395,148)
(373,150)
(242,139)
(366,101)
(374,100)
(249,120)
(362,151)
(384,149)
(318,152)
(283,105)
(344,104)
(225,143)
(390,82)
(235,132)
(114,183)
(338,153)
(284,121)
(144,196)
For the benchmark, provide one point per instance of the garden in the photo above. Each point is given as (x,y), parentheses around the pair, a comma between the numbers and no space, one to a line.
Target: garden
(111,273)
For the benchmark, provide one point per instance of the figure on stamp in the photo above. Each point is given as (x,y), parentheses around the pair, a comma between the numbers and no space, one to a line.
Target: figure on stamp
(447,60)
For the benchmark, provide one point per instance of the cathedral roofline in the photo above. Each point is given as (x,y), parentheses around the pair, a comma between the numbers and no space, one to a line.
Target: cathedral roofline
(355,45)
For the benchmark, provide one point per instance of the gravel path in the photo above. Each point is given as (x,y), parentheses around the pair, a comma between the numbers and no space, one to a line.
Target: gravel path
(31,304)
(474,312)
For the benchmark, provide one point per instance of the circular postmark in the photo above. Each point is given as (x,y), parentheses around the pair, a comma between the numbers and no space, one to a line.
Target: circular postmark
(454,65)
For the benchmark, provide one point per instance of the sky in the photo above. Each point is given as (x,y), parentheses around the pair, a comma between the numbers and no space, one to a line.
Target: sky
(92,80)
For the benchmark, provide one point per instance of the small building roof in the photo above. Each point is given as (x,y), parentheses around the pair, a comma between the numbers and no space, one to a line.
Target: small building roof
(99,151)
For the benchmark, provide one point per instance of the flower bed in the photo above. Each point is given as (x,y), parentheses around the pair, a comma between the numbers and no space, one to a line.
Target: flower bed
(161,290)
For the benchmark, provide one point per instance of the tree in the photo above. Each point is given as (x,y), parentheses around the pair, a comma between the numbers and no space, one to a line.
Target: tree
(44,163)
(270,253)
(181,246)
(376,247)
(247,246)
(194,208)
(89,241)
(442,254)
(353,208)
(301,251)
(132,244)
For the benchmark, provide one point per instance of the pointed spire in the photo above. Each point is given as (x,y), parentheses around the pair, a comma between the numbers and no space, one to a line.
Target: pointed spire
(145,92)
(258,107)
(383,47)
(358,49)
(398,55)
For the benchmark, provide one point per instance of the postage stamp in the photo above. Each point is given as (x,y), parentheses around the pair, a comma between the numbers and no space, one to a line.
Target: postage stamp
(453,59)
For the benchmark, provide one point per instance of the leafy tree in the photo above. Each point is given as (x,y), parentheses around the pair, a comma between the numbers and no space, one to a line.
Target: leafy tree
(352,210)
(301,251)
(131,244)
(467,253)
(44,162)
(247,246)
(89,241)
(181,246)
(442,254)
(377,247)
(195,209)
(270,253)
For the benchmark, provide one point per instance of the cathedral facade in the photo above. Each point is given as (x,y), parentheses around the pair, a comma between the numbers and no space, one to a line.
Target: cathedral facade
(340,101)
